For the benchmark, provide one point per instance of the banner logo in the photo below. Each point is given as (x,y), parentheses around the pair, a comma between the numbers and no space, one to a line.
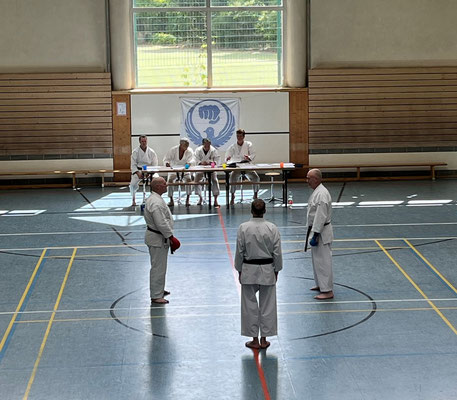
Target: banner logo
(210,118)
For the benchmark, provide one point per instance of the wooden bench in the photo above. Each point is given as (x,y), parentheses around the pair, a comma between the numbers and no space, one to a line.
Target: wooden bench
(358,170)
(74,174)
(103,172)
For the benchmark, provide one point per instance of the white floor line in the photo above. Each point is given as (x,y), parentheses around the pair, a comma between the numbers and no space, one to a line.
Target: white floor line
(139,244)
(306,303)
(104,232)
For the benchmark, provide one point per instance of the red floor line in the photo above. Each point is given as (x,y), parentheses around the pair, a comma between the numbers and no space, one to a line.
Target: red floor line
(263,381)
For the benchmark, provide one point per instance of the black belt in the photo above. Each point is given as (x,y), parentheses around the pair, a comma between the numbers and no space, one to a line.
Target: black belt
(153,230)
(259,261)
(309,231)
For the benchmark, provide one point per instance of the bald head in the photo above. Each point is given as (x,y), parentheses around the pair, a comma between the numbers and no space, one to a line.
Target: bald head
(314,177)
(158,185)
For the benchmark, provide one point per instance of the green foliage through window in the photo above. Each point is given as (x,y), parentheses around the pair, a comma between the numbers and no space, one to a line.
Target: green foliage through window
(172,45)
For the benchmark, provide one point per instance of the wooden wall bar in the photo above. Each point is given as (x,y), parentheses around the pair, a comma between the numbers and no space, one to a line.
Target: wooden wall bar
(382,108)
(58,113)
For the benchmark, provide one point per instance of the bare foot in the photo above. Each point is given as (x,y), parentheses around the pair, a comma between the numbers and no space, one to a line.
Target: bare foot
(166,293)
(264,343)
(253,344)
(255,195)
(216,204)
(315,288)
(200,202)
(159,301)
(171,203)
(324,296)
(187,203)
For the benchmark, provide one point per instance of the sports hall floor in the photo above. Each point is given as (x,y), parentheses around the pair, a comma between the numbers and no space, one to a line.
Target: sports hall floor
(76,322)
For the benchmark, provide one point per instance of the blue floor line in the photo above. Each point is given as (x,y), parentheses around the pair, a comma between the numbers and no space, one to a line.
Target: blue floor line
(23,307)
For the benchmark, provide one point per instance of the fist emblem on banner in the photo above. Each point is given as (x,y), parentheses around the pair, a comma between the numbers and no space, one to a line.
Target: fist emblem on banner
(210,112)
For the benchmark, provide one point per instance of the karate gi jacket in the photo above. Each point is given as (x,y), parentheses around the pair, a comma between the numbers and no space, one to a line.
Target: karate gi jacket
(258,239)
(172,157)
(320,213)
(157,216)
(212,155)
(237,153)
(140,158)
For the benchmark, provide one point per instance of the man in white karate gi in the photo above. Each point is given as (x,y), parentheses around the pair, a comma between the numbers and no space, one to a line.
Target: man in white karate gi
(179,155)
(258,260)
(241,152)
(320,231)
(159,237)
(142,155)
(205,155)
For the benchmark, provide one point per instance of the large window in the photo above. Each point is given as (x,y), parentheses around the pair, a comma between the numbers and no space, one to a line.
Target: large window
(208,43)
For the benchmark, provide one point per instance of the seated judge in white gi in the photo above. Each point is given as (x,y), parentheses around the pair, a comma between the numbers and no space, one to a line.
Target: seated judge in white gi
(179,155)
(241,152)
(142,155)
(258,260)
(159,232)
(320,230)
(205,155)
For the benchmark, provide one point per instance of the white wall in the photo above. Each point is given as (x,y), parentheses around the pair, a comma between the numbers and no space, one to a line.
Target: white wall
(375,33)
(265,112)
(52,35)
(69,35)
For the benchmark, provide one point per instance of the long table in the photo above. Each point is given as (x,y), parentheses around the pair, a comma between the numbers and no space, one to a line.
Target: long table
(207,170)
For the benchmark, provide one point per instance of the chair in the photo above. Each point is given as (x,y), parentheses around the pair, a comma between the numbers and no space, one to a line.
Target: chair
(272,197)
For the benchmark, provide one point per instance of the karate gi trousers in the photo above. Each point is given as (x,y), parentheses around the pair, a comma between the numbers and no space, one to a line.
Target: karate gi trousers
(322,266)
(214,183)
(159,259)
(186,178)
(258,316)
(134,183)
(235,176)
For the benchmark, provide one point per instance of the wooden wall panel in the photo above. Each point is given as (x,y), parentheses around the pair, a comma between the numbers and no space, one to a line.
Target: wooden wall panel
(382,108)
(298,129)
(122,145)
(58,113)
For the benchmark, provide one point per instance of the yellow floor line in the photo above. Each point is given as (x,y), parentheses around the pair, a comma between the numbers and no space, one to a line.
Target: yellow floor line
(448,323)
(21,301)
(48,329)
(431,266)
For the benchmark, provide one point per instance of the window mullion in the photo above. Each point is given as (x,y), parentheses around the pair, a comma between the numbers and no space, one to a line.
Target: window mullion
(209,48)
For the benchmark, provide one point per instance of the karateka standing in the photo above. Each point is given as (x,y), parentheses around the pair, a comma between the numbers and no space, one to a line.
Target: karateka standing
(142,155)
(258,260)
(319,217)
(159,238)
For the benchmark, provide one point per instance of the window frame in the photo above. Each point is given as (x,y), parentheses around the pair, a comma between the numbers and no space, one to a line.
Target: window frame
(207,10)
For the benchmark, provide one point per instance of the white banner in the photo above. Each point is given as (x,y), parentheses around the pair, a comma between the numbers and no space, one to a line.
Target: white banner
(215,119)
